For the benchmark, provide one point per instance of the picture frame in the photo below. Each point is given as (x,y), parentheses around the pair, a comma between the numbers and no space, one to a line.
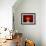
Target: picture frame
(28,18)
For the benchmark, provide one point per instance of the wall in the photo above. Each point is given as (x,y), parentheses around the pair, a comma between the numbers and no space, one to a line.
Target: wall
(43,22)
(32,32)
(6,13)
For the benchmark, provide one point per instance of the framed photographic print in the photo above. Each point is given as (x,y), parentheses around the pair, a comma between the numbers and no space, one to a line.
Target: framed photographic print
(28,18)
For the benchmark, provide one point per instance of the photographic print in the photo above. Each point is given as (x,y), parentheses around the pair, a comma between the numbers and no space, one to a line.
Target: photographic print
(28,18)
